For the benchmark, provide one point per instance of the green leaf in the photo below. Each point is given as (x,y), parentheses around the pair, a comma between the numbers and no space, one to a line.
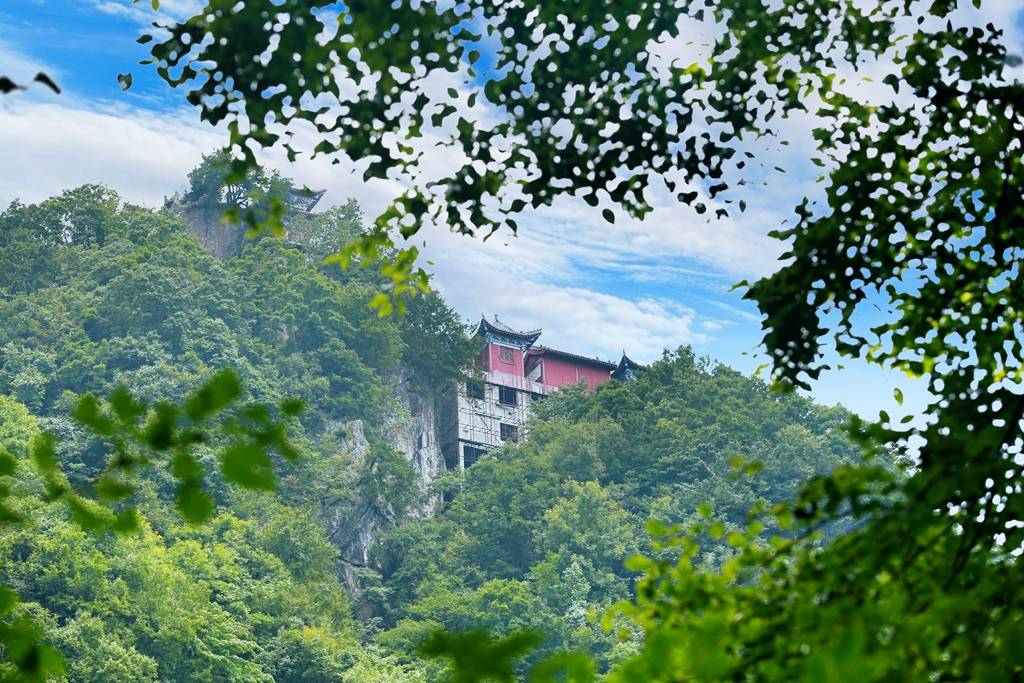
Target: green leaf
(44,452)
(89,514)
(8,599)
(292,407)
(184,466)
(112,488)
(656,528)
(159,430)
(125,407)
(477,657)
(248,465)
(637,563)
(193,503)
(752,467)
(736,539)
(128,522)
(214,396)
(8,463)
(87,412)
(577,667)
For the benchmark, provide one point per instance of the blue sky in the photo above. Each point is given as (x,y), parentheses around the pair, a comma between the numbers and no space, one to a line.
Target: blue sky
(594,288)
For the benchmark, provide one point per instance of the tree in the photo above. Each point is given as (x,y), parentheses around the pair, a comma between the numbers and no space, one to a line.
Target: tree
(208,184)
(558,513)
(258,197)
(922,214)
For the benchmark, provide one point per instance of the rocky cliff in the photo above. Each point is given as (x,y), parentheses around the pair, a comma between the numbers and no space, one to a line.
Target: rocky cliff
(417,438)
(207,224)
(412,431)
(354,525)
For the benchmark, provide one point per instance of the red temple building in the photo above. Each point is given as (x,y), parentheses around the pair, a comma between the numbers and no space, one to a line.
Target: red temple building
(481,414)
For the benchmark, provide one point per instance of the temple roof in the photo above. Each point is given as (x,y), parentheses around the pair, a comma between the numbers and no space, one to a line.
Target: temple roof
(626,368)
(500,330)
(304,200)
(596,362)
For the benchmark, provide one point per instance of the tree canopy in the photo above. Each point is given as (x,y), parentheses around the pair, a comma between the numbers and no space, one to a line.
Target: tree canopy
(534,102)
(144,391)
(920,220)
(536,536)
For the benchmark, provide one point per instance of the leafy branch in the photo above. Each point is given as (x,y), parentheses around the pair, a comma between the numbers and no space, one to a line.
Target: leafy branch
(140,436)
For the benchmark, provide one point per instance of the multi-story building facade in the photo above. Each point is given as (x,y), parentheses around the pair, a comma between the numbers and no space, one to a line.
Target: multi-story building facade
(511,373)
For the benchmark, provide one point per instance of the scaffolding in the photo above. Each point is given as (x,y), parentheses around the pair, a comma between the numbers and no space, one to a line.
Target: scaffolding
(479,417)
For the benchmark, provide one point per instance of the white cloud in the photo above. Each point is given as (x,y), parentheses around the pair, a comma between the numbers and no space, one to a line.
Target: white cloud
(531,279)
(529,284)
(49,148)
(143,13)
(545,277)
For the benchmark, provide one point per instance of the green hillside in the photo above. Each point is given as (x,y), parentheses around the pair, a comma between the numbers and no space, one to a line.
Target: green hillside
(96,294)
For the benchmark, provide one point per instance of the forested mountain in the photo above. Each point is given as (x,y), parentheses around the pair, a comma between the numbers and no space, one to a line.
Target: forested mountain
(96,293)
(536,536)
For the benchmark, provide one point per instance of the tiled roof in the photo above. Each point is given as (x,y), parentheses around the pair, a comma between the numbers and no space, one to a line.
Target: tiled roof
(500,328)
(626,364)
(545,351)
(305,200)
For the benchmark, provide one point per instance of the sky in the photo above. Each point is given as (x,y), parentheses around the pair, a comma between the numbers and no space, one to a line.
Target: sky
(594,288)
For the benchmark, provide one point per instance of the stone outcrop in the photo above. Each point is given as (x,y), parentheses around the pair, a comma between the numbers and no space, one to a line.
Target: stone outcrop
(353,529)
(417,438)
(355,526)
(356,523)
(206,223)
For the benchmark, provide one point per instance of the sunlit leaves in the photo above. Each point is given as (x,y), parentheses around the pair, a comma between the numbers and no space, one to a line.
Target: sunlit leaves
(562,125)
(140,436)
(137,434)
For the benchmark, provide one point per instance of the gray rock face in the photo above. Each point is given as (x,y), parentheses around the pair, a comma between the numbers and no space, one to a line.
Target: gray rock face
(222,239)
(353,525)
(355,528)
(417,439)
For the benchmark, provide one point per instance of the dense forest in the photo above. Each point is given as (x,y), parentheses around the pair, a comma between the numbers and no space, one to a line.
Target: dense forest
(537,536)
(96,293)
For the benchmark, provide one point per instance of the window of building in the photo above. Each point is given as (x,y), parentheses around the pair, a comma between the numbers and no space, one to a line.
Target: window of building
(507,396)
(470,454)
(535,373)
(509,432)
(475,389)
(506,355)
(537,397)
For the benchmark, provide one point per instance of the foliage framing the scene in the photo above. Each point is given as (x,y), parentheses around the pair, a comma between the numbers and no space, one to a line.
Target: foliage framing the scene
(923,199)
